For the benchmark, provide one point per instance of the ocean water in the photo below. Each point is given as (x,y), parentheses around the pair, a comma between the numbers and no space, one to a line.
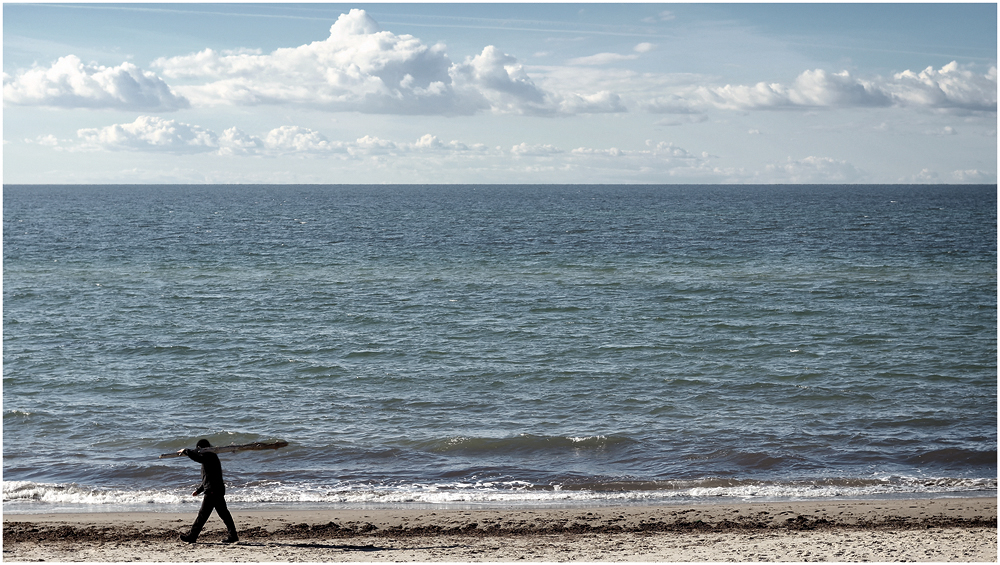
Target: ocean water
(498,345)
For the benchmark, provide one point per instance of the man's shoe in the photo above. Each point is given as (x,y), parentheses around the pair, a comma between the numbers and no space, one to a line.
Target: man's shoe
(188,539)
(231,539)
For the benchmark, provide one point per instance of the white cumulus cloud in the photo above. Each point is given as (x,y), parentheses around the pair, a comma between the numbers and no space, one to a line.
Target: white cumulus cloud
(362,68)
(297,139)
(235,141)
(950,88)
(357,68)
(44,140)
(499,79)
(154,134)
(816,88)
(535,150)
(600,102)
(503,84)
(69,83)
(149,133)
(429,142)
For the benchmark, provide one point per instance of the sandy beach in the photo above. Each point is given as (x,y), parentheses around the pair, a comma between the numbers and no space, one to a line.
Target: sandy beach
(829,530)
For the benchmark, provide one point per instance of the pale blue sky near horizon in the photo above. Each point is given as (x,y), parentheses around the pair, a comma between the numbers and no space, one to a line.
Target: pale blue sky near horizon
(500,93)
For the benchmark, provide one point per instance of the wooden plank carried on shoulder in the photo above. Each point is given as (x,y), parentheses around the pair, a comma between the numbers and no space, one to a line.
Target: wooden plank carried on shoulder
(255,446)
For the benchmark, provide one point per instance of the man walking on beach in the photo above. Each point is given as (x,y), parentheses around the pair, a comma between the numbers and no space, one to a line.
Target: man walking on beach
(215,492)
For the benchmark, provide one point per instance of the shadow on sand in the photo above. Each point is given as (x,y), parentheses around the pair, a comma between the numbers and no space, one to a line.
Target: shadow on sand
(341,547)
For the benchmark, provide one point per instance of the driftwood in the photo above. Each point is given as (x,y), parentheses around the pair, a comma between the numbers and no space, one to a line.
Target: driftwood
(255,446)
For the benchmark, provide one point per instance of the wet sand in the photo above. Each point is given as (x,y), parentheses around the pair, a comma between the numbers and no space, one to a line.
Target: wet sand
(959,529)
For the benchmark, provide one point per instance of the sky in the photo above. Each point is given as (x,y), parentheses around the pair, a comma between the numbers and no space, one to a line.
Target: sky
(509,93)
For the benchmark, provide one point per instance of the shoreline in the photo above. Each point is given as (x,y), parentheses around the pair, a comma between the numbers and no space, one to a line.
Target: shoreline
(940,529)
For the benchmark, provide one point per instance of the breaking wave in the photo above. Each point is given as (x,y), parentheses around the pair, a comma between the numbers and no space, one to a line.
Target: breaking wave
(25,496)
(522,444)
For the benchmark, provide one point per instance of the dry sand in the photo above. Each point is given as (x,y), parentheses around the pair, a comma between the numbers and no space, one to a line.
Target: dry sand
(827,530)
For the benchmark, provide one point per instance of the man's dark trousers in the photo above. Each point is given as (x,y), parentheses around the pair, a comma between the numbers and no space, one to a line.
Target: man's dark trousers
(215,502)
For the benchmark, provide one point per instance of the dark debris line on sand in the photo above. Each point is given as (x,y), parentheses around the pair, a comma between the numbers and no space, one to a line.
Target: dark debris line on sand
(15,532)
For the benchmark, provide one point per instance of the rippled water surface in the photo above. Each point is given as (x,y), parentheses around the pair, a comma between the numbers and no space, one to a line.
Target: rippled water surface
(499,344)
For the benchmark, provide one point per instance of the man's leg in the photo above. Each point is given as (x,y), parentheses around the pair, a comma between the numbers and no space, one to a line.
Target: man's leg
(207,505)
(227,519)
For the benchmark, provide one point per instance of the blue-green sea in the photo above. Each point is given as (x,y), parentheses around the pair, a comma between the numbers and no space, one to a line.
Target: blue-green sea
(498,345)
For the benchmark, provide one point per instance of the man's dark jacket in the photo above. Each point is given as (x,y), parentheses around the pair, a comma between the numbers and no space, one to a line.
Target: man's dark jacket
(211,472)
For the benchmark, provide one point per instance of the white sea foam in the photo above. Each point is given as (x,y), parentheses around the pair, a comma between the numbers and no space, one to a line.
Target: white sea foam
(59,494)
(24,496)
(586,438)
